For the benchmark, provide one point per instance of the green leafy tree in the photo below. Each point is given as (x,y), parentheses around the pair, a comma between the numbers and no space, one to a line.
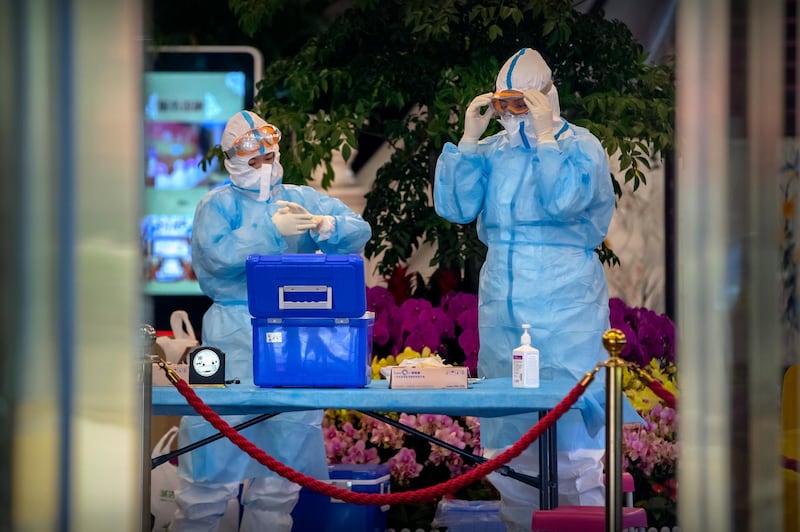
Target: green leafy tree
(404,71)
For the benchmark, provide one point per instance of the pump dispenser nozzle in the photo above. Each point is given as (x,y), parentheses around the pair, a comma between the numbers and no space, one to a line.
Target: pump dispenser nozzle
(525,339)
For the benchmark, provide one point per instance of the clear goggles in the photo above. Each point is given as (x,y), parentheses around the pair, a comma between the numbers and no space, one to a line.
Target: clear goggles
(254,141)
(512,101)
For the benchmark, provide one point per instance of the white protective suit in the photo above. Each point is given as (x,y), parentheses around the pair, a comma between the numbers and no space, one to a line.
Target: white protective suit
(543,204)
(230,223)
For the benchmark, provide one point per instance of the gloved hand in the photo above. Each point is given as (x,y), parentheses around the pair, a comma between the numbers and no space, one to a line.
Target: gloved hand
(475,121)
(541,115)
(294,208)
(293,219)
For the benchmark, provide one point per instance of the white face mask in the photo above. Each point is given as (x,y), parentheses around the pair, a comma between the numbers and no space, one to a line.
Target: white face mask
(277,172)
(516,126)
(255,180)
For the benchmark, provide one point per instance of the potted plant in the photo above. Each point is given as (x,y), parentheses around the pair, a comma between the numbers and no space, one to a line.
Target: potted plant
(404,72)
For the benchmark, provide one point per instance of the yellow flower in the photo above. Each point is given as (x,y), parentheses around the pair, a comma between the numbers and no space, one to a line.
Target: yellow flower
(376,368)
(377,364)
(406,354)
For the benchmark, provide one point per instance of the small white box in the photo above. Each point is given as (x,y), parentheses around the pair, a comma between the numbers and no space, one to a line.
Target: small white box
(429,377)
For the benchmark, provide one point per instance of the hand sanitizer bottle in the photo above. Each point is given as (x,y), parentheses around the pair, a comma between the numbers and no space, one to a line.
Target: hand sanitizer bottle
(525,362)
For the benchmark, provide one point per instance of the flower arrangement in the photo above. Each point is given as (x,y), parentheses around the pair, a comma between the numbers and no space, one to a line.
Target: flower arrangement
(410,325)
(650,449)
(650,336)
(650,454)
(449,329)
(414,463)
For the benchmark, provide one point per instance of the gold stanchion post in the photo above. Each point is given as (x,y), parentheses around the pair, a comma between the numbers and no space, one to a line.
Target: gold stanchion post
(147,337)
(614,341)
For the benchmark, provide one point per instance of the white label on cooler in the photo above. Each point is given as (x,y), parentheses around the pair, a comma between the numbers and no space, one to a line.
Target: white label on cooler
(275,337)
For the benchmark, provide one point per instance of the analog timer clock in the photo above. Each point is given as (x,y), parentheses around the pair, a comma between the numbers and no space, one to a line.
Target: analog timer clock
(206,366)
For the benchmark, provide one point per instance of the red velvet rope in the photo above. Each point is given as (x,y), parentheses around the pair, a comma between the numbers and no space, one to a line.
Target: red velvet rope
(664,394)
(428,494)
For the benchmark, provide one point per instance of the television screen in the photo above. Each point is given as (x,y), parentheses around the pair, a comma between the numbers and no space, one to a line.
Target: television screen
(185,114)
(189,95)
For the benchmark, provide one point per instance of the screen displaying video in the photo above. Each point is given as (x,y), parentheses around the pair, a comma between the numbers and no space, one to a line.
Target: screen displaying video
(185,114)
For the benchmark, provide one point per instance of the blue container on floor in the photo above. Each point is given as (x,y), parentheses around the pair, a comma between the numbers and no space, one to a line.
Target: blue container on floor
(317,513)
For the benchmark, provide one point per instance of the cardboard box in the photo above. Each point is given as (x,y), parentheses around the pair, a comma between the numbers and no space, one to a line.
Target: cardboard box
(430,377)
(160,378)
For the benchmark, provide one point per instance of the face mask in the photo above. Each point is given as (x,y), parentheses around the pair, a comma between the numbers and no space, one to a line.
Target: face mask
(255,180)
(516,126)
(277,173)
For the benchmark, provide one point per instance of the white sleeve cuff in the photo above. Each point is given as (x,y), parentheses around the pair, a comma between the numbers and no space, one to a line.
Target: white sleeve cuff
(326,227)
(468,146)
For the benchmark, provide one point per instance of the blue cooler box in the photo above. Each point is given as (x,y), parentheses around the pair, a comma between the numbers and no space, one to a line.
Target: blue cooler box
(312,352)
(306,285)
(310,324)
(318,513)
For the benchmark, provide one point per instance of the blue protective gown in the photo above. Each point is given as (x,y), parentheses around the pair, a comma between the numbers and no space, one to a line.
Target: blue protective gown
(541,210)
(229,225)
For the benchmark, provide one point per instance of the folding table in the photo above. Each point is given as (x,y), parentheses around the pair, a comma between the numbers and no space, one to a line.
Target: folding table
(483,398)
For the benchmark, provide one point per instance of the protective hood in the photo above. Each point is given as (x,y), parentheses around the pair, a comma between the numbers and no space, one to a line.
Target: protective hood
(255,182)
(527,70)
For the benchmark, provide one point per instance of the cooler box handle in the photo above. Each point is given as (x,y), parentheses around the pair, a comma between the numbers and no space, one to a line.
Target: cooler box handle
(301,258)
(305,297)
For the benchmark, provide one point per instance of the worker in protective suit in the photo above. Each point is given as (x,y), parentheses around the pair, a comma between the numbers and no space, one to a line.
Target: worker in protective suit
(254,214)
(543,198)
